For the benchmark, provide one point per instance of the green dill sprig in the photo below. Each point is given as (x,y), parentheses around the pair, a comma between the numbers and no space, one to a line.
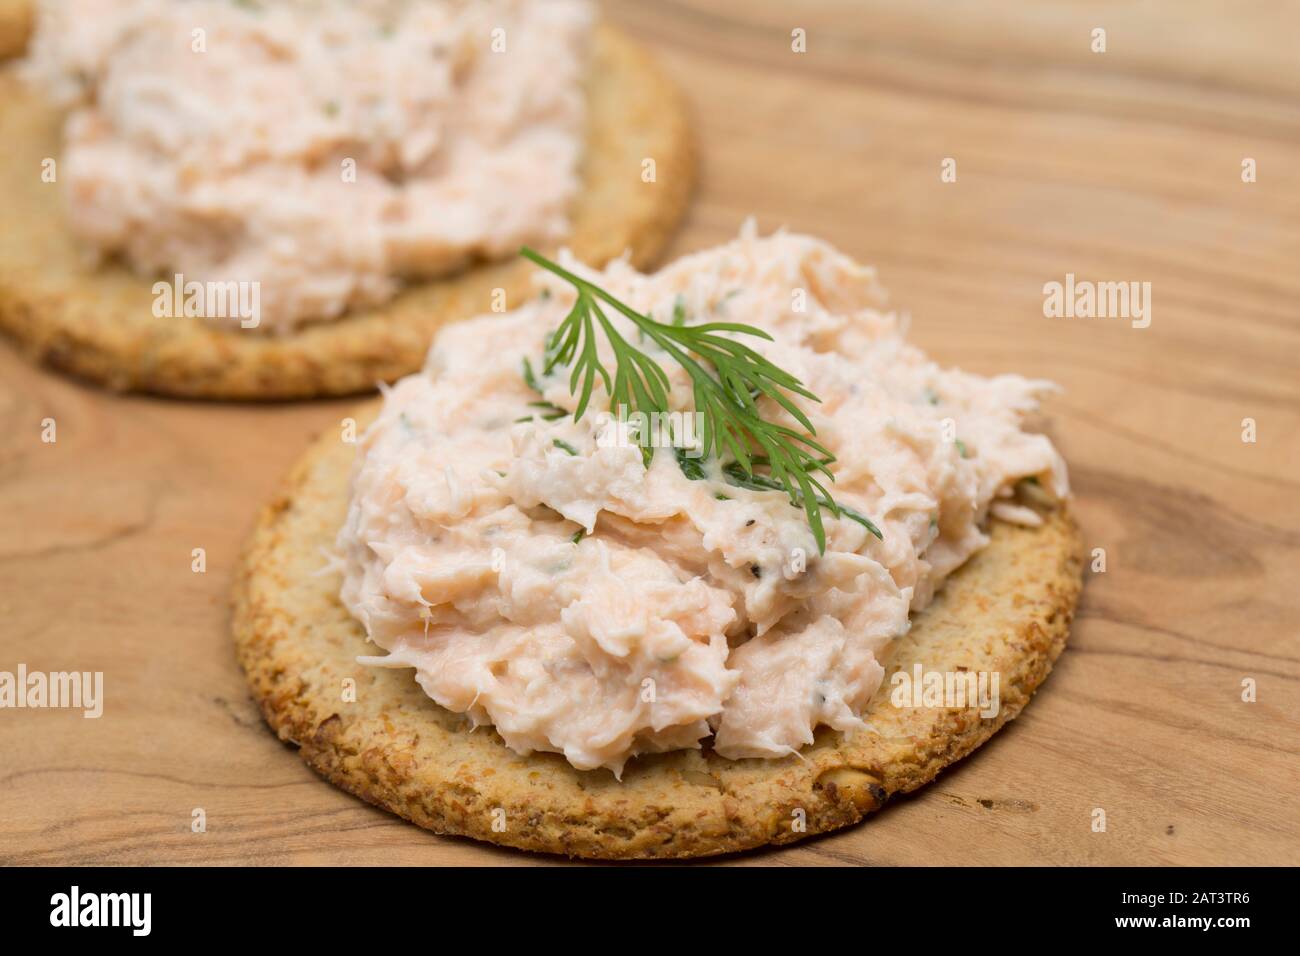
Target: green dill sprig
(735,476)
(727,378)
(547,411)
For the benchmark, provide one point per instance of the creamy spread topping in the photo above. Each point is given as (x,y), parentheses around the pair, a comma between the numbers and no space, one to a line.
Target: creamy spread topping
(324,149)
(544,580)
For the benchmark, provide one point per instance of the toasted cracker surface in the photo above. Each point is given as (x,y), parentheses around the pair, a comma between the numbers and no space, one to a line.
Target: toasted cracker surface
(1007,611)
(16,18)
(99,322)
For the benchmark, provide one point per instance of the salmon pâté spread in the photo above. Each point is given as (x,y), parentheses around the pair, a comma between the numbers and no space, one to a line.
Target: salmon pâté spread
(545,580)
(325,150)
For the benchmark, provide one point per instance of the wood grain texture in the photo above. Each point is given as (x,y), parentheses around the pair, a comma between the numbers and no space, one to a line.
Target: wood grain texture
(1117,166)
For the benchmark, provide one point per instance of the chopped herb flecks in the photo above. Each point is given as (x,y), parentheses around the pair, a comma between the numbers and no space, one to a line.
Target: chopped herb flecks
(679,310)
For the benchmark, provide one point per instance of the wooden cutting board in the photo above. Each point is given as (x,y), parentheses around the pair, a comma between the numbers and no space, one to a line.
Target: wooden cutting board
(1121,166)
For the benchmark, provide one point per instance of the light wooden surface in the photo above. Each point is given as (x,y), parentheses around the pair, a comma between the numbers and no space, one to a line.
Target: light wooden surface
(1117,166)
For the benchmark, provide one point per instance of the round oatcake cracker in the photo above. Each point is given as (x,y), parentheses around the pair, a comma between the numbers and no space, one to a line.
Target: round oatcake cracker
(1006,611)
(99,323)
